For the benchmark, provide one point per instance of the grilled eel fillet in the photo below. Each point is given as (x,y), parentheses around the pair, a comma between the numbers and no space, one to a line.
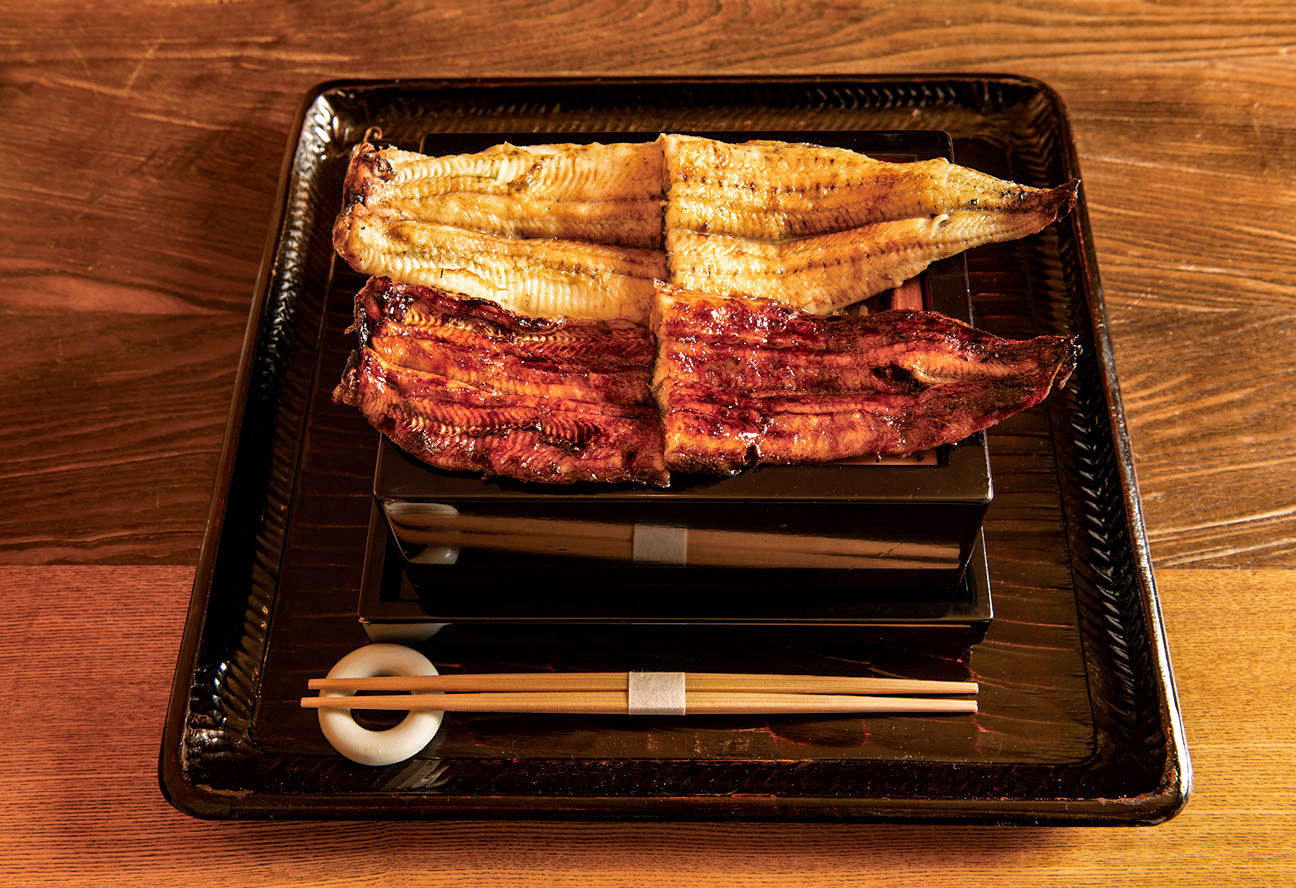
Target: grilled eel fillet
(466,385)
(747,381)
(603,194)
(548,230)
(822,228)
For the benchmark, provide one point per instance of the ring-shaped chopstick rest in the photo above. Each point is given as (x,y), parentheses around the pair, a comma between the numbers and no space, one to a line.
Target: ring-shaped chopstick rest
(393,745)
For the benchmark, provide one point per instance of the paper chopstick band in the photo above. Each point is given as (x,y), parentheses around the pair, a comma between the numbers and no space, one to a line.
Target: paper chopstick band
(660,544)
(655,693)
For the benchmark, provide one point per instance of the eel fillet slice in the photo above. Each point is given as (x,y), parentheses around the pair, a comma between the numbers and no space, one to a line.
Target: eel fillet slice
(744,381)
(466,385)
(822,228)
(552,230)
(533,276)
(606,194)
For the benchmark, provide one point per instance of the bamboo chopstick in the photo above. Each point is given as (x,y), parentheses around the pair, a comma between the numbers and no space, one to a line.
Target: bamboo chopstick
(616,703)
(617,681)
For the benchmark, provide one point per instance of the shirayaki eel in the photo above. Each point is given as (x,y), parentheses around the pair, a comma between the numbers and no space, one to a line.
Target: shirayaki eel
(822,228)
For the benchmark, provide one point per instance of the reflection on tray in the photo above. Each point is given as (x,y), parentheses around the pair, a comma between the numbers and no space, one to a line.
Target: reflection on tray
(435,533)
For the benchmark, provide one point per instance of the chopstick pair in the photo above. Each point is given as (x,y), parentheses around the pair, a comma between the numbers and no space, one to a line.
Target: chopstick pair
(614,693)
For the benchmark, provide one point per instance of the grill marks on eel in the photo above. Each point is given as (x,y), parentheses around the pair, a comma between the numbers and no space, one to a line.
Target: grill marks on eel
(549,230)
(749,381)
(822,228)
(466,385)
(577,230)
(603,194)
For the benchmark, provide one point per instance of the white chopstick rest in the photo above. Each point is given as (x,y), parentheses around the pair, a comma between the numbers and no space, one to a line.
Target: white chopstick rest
(659,544)
(655,693)
(388,747)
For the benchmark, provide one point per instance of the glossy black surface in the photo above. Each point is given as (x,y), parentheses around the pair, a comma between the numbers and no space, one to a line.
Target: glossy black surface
(1078,721)
(957,616)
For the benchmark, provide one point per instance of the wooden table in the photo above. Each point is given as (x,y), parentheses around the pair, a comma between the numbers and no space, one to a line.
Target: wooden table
(142,145)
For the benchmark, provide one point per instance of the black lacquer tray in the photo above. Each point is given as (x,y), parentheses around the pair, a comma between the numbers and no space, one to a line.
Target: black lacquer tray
(1078,720)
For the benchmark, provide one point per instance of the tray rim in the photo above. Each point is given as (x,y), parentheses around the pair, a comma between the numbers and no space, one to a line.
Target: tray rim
(1174,785)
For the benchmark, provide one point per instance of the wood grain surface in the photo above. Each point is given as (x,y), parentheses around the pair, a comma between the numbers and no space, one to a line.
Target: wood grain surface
(84,678)
(141,146)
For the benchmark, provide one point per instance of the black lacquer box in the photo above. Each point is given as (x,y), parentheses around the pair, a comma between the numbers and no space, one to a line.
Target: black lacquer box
(874,534)
(404,601)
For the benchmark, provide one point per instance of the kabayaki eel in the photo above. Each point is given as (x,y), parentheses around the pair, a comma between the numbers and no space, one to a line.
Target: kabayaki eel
(466,385)
(743,382)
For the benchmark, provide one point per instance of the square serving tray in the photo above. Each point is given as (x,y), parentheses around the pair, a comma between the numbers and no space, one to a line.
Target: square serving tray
(1078,720)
